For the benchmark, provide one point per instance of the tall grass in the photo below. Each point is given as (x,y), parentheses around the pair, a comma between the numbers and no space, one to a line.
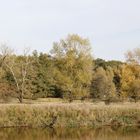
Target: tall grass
(68,115)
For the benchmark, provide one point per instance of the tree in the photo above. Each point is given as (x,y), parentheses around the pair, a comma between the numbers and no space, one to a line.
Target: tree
(6,90)
(115,67)
(18,68)
(40,81)
(102,87)
(73,66)
(131,75)
(133,56)
(105,64)
(134,91)
(4,52)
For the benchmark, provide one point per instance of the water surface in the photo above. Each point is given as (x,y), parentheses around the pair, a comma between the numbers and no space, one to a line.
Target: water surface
(104,133)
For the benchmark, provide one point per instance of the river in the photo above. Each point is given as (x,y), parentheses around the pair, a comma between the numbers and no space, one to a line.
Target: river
(102,133)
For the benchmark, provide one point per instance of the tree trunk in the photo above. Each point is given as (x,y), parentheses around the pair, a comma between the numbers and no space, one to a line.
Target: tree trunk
(20,97)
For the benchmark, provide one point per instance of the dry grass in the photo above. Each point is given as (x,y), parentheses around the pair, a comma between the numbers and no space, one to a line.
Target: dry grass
(69,114)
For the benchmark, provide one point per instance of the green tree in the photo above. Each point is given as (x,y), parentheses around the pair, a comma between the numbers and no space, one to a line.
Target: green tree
(116,68)
(103,87)
(41,82)
(4,86)
(73,66)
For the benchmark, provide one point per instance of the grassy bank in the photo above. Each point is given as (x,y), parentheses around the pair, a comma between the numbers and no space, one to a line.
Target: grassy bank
(68,115)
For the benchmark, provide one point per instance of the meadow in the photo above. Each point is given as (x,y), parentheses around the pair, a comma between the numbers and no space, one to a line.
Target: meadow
(57,113)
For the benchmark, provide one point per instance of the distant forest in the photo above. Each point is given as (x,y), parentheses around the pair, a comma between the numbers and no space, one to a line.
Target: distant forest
(69,72)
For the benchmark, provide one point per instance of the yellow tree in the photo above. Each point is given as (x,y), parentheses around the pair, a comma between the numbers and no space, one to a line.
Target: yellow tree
(18,68)
(73,66)
(131,75)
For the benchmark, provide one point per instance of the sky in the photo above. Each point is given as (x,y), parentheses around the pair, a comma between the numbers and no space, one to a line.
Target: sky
(112,26)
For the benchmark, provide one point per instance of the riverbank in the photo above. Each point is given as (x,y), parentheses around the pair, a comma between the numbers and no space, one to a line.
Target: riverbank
(68,115)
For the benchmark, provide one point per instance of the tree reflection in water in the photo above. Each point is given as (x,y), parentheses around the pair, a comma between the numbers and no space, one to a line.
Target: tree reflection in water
(102,133)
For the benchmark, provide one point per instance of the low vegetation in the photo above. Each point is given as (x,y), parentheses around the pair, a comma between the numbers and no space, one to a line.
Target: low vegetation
(68,115)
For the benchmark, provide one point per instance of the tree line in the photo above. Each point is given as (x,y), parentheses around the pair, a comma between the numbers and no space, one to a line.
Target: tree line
(70,72)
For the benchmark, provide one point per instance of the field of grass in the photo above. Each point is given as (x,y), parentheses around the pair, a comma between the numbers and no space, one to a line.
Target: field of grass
(62,114)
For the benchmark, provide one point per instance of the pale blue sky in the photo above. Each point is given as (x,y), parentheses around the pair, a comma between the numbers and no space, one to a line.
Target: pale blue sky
(113,26)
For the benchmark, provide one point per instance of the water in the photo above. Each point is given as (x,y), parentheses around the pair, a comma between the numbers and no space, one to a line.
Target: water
(104,133)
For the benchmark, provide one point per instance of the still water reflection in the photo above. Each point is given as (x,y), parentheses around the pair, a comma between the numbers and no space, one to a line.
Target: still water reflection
(104,133)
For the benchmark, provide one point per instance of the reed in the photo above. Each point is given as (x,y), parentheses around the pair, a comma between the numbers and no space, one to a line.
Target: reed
(68,115)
